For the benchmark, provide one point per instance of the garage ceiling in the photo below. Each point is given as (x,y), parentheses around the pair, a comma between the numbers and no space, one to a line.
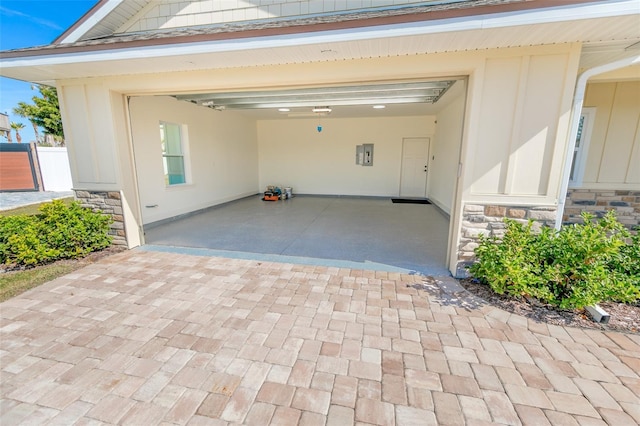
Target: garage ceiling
(400,98)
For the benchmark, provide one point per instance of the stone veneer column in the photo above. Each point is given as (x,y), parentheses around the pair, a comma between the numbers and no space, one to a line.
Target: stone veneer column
(110,203)
(597,202)
(488,220)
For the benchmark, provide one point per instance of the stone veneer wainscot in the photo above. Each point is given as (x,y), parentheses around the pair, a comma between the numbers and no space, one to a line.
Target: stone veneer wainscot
(487,220)
(597,202)
(109,203)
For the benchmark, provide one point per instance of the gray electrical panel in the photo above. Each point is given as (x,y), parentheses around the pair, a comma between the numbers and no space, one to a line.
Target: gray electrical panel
(364,154)
(368,154)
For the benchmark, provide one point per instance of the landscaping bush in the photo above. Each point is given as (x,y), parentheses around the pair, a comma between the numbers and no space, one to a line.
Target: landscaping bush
(578,265)
(57,232)
(627,262)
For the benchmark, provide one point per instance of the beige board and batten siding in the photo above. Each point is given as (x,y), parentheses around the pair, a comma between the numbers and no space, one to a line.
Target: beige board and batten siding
(613,160)
(101,161)
(520,145)
(221,155)
(293,153)
(611,179)
(89,135)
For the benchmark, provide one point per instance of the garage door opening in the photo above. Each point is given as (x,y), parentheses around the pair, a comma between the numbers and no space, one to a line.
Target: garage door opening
(227,147)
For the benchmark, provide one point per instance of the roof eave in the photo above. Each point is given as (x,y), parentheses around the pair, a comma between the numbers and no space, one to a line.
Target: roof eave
(59,48)
(133,60)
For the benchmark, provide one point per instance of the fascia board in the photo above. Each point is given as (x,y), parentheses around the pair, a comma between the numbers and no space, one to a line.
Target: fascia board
(91,22)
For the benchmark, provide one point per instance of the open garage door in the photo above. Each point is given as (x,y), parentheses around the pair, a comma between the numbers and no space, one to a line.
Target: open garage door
(195,151)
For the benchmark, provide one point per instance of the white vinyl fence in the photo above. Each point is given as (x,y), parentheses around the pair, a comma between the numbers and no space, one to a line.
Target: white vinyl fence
(54,166)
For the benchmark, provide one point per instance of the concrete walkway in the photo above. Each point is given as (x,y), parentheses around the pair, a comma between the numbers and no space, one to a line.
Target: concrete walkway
(148,338)
(11,200)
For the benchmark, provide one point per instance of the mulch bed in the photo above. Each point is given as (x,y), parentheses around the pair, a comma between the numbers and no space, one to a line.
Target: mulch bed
(624,317)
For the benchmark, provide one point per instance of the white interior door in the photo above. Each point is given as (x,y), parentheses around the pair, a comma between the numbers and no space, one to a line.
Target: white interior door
(415,162)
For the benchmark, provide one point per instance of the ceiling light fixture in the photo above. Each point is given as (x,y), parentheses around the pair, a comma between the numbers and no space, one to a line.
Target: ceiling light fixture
(379,106)
(321,109)
(284,109)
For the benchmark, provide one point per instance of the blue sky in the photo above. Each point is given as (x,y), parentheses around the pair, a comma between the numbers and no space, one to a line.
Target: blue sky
(26,23)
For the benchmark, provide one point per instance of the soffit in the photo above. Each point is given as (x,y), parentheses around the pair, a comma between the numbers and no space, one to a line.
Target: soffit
(116,18)
(107,25)
(630,73)
(604,52)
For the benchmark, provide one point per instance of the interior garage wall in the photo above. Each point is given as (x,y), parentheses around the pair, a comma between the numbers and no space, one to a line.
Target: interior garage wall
(222,156)
(445,153)
(613,160)
(293,153)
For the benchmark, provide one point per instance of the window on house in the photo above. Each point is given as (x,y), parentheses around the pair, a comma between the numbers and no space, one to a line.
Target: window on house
(583,136)
(172,154)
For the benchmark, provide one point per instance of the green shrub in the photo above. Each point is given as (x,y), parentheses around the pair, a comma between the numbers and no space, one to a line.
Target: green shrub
(627,261)
(579,265)
(21,243)
(506,264)
(57,232)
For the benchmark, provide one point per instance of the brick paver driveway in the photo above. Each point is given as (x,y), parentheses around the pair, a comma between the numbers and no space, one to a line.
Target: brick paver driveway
(148,338)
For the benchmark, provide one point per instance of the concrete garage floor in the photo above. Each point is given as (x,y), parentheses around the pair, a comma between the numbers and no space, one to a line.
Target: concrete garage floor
(368,233)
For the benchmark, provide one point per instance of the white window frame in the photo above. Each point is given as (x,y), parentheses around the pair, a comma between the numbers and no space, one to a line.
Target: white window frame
(184,155)
(581,150)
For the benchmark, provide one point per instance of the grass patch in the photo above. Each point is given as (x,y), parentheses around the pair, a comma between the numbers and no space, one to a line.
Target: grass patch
(31,209)
(15,283)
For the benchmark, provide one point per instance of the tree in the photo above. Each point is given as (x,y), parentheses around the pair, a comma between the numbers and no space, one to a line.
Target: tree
(17,127)
(44,112)
(27,111)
